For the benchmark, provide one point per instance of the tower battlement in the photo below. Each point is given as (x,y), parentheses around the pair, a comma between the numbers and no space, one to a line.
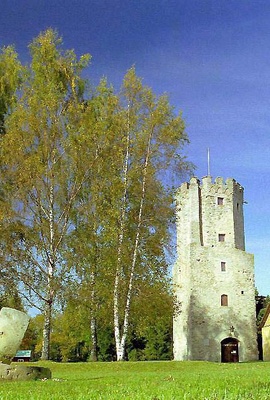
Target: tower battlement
(213,209)
(218,184)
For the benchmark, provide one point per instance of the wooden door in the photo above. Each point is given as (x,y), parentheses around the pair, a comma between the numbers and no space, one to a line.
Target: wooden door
(229,350)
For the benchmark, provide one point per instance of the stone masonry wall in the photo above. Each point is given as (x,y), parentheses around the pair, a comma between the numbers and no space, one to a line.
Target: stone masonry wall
(209,266)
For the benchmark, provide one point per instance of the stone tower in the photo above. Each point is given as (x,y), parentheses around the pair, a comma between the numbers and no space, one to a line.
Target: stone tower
(213,276)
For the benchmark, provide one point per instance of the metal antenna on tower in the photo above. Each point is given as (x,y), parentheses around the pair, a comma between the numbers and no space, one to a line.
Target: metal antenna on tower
(208,161)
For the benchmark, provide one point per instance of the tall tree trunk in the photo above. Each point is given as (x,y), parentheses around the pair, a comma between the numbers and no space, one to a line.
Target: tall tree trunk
(121,340)
(50,290)
(45,354)
(117,333)
(93,329)
(93,320)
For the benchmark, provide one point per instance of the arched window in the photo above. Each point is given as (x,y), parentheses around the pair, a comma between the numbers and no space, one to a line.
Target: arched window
(224,300)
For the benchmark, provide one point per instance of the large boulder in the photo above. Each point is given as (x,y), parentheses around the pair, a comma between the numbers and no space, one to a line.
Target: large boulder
(13,324)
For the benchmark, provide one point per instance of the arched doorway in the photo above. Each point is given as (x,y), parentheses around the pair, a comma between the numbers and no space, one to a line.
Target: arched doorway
(229,350)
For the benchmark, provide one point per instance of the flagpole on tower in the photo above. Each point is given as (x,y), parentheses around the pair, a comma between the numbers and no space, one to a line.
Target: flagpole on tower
(208,161)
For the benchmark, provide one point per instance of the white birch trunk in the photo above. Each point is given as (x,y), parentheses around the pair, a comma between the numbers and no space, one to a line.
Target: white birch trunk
(93,321)
(117,333)
(45,354)
(50,290)
(93,329)
(121,340)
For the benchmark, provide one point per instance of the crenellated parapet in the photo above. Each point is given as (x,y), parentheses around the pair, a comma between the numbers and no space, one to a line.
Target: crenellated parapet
(212,208)
(219,184)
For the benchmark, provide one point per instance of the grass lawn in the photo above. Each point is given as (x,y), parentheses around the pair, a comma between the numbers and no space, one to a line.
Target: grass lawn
(145,380)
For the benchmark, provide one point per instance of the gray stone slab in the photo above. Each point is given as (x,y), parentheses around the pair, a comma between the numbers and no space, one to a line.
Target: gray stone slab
(23,373)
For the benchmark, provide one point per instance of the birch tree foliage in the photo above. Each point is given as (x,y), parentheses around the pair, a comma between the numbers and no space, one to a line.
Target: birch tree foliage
(95,216)
(123,212)
(11,75)
(42,171)
(154,138)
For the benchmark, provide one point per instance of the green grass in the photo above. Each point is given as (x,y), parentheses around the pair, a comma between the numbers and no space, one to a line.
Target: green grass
(145,380)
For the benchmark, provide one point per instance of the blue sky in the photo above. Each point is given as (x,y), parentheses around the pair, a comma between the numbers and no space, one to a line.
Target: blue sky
(211,57)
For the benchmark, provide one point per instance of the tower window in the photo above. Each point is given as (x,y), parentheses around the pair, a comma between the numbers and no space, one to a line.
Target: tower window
(242,291)
(221,237)
(220,201)
(223,266)
(224,300)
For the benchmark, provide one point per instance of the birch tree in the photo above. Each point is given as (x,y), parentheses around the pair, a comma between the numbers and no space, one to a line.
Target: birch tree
(154,138)
(96,214)
(126,211)
(43,171)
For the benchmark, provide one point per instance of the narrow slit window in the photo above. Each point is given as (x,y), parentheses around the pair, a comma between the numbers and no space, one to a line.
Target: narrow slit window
(223,266)
(220,201)
(224,300)
(221,237)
